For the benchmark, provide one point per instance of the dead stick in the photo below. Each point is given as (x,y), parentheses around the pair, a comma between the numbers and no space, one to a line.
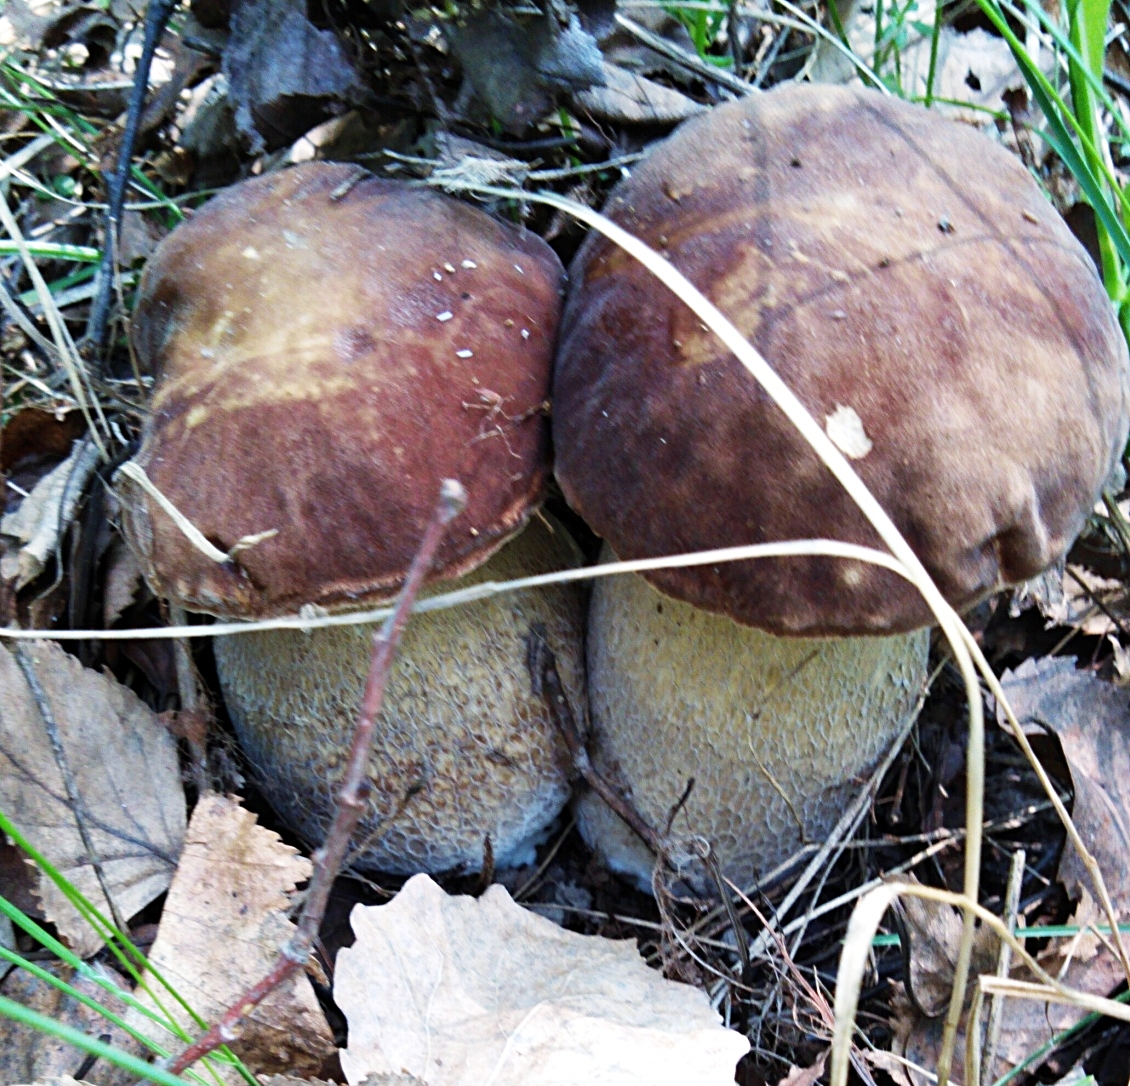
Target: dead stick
(352,798)
(542,665)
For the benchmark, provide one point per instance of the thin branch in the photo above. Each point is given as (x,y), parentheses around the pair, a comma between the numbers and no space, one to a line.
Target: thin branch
(352,799)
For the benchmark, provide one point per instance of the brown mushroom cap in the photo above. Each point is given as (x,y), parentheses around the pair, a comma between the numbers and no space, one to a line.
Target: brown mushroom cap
(883,260)
(328,348)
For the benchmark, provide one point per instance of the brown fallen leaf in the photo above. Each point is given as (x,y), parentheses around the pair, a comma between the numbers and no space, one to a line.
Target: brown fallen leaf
(121,583)
(629,98)
(934,932)
(46,513)
(1075,597)
(34,439)
(90,777)
(222,927)
(1026,1025)
(455,990)
(805,1076)
(1091,720)
(27,1055)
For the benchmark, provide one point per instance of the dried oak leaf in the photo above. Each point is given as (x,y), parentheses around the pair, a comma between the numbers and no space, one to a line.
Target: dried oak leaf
(284,74)
(28,1055)
(223,925)
(1091,720)
(456,990)
(90,777)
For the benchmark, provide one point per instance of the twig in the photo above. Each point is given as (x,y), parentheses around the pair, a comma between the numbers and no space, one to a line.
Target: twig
(156,19)
(352,799)
(542,665)
(685,60)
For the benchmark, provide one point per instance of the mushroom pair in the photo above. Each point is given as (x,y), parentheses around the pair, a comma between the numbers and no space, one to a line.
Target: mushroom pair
(909,281)
(328,348)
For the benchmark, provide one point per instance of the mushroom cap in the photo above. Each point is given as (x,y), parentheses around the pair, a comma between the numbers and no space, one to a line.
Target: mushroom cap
(463,749)
(778,733)
(328,347)
(907,278)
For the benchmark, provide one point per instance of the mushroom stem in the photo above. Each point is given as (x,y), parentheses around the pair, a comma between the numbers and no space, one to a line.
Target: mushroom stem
(774,731)
(463,748)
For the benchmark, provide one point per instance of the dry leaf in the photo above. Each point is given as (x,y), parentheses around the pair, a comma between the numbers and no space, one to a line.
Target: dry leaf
(805,1076)
(27,1055)
(123,771)
(518,66)
(223,925)
(627,98)
(974,67)
(46,513)
(34,437)
(120,585)
(1073,596)
(1026,1024)
(284,74)
(456,990)
(1091,720)
(934,931)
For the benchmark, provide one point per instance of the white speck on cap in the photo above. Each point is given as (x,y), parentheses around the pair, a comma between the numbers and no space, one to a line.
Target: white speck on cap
(446,315)
(845,429)
(464,353)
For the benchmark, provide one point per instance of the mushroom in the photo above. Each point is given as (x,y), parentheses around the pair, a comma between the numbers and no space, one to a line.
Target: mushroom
(328,347)
(910,282)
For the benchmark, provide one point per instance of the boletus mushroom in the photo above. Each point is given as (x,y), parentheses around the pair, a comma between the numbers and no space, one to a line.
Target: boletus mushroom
(328,347)
(910,282)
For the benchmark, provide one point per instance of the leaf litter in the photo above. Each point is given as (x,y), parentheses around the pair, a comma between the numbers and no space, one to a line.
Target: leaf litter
(458,990)
(1084,723)
(90,777)
(223,924)
(270,112)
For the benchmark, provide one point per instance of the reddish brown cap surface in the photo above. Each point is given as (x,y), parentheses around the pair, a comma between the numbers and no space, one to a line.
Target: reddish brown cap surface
(326,353)
(883,260)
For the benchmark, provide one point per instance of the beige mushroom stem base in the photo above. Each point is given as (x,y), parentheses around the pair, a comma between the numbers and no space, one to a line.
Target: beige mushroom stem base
(777,733)
(464,750)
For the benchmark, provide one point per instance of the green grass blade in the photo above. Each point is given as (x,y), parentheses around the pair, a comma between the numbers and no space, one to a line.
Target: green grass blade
(1063,140)
(19,1013)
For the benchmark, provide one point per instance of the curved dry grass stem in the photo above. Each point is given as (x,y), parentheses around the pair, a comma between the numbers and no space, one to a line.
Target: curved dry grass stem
(845,474)
(485,590)
(861,931)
